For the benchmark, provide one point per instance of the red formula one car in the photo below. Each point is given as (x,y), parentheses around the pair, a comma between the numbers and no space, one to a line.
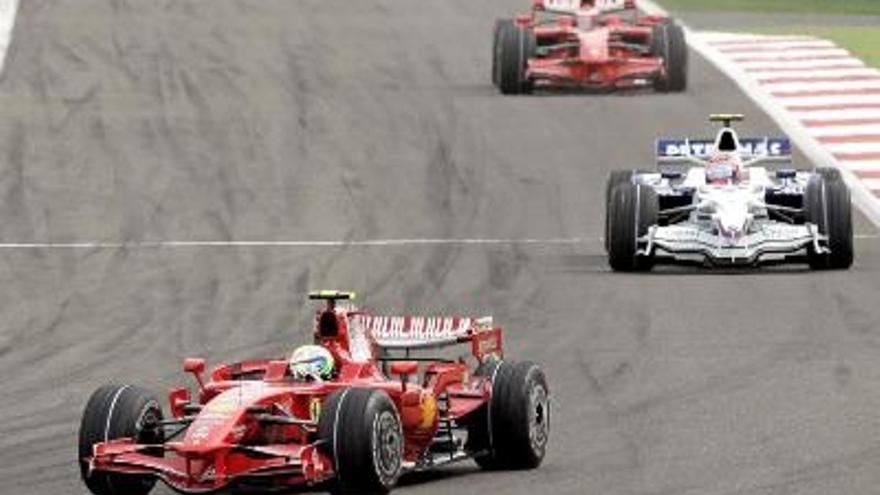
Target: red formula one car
(330,413)
(588,44)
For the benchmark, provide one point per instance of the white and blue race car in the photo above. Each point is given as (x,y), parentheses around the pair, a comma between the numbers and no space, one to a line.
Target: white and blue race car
(715,202)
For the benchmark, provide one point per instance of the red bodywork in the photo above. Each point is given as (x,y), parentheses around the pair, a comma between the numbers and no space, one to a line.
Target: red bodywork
(592,49)
(227,437)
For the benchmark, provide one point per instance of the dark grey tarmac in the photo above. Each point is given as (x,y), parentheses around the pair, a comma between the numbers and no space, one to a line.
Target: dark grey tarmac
(312,120)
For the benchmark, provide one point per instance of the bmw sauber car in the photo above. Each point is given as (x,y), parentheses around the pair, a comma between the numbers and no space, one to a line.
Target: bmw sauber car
(348,411)
(715,202)
(588,44)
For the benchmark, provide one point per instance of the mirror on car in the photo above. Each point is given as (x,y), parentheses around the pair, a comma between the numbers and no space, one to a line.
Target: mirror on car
(194,365)
(404,368)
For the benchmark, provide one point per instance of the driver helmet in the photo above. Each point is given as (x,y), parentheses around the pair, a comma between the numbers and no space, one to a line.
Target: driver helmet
(723,168)
(312,361)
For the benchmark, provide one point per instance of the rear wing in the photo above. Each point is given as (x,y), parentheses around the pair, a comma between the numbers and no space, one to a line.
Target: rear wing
(419,332)
(576,7)
(698,151)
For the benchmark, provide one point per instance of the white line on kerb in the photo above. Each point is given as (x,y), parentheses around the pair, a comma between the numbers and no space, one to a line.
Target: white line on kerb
(296,244)
(8,11)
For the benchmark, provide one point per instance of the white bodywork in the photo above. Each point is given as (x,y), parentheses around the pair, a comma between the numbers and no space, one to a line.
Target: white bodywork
(730,224)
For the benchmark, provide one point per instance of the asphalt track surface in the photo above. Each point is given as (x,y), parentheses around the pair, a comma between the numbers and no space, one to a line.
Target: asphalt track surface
(327,120)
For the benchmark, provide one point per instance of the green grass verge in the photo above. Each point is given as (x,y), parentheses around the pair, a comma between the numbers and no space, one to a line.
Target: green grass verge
(863,42)
(798,6)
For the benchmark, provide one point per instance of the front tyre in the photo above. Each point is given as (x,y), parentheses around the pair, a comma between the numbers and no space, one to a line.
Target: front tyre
(112,412)
(632,211)
(360,430)
(501,25)
(515,428)
(668,43)
(616,178)
(517,47)
(829,208)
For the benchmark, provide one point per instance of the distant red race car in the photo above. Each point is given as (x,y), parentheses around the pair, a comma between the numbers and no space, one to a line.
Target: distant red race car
(330,413)
(588,44)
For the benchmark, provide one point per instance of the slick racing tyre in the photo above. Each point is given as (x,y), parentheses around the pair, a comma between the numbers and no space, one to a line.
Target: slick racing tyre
(829,173)
(513,429)
(632,210)
(360,430)
(500,25)
(616,177)
(118,411)
(517,47)
(827,205)
(668,43)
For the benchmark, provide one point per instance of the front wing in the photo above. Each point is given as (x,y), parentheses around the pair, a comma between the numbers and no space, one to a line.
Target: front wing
(187,472)
(772,243)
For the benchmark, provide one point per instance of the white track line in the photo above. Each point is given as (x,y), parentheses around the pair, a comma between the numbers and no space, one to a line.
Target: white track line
(790,56)
(294,244)
(861,165)
(819,114)
(814,101)
(845,130)
(782,46)
(811,74)
(156,245)
(809,87)
(761,68)
(721,37)
(853,148)
(873,184)
(8,11)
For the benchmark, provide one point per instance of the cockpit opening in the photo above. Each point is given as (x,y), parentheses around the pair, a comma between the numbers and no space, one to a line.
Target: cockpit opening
(726,141)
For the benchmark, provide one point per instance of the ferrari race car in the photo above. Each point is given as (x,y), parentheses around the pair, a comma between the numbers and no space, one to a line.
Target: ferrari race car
(588,44)
(349,410)
(723,208)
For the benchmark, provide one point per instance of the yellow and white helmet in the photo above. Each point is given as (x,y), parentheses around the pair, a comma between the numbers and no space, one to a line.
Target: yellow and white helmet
(312,361)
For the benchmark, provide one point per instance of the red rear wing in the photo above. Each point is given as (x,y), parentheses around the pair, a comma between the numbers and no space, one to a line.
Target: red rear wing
(418,332)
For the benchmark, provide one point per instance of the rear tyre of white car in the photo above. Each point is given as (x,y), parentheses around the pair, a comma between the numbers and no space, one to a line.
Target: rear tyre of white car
(360,430)
(517,47)
(500,25)
(668,43)
(632,210)
(118,411)
(828,206)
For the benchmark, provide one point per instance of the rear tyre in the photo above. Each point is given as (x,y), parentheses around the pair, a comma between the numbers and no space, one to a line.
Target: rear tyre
(516,425)
(360,430)
(829,207)
(517,47)
(118,411)
(500,25)
(668,43)
(632,210)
